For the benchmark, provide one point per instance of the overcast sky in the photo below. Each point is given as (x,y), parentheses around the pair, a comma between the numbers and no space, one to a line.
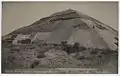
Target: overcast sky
(19,14)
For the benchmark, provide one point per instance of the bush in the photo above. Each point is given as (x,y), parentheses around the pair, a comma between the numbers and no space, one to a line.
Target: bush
(82,48)
(99,56)
(107,51)
(94,52)
(68,49)
(26,41)
(15,49)
(73,48)
(35,63)
(76,45)
(64,43)
(81,58)
(40,55)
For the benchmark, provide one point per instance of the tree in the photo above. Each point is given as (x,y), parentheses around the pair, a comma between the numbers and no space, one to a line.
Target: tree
(34,64)
(64,44)
(76,45)
(116,38)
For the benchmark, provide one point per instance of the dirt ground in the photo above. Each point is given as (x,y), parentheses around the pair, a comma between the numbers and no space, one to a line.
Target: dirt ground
(53,59)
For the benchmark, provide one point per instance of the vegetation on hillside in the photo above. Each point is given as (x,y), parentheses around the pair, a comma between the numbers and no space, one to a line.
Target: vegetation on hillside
(32,56)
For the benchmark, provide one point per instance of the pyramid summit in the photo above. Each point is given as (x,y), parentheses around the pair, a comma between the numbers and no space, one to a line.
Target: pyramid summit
(64,12)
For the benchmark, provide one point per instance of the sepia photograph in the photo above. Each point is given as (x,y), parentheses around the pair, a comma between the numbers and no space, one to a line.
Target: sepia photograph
(59,37)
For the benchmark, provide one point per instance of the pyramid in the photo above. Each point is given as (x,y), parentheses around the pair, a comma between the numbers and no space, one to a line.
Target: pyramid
(73,26)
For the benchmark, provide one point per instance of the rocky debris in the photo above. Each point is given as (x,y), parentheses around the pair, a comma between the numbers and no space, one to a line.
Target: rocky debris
(21,38)
(20,57)
(52,53)
(57,58)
